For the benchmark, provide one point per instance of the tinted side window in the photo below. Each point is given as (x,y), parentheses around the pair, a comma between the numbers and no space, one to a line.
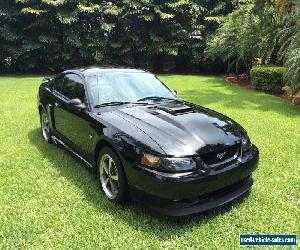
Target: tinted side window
(58,83)
(72,87)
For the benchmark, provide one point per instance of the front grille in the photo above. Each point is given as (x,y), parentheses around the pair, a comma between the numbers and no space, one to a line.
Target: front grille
(221,156)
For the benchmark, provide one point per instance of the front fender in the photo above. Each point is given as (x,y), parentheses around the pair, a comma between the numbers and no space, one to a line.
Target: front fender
(126,147)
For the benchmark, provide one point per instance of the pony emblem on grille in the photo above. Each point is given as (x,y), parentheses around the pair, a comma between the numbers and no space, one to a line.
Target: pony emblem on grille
(221,155)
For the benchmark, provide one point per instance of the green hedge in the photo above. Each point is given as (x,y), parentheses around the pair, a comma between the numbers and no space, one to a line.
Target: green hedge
(267,78)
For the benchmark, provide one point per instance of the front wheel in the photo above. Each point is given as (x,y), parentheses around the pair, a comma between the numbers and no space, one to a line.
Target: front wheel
(45,126)
(112,177)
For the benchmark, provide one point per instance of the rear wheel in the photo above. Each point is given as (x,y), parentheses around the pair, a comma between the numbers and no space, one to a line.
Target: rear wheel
(45,126)
(112,177)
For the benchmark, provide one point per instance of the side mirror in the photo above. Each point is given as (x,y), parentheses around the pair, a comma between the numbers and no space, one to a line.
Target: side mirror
(76,103)
(174,91)
(47,79)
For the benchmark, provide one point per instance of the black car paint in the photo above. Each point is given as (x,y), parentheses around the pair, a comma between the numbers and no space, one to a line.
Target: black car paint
(172,128)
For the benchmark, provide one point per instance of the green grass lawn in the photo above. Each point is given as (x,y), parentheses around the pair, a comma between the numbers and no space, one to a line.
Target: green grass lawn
(48,199)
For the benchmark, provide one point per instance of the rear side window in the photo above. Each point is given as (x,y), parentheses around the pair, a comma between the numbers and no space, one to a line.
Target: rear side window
(73,87)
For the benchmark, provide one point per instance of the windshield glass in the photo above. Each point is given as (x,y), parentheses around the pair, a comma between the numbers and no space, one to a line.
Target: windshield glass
(126,87)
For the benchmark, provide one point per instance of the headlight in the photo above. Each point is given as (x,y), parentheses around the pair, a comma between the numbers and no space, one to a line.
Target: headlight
(172,165)
(246,143)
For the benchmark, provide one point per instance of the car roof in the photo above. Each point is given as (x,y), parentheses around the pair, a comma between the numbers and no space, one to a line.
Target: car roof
(100,70)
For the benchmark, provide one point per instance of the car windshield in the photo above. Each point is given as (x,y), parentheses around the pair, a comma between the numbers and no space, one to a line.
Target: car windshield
(126,87)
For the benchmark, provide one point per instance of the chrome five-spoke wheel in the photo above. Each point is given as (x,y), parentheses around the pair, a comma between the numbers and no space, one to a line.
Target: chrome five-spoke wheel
(45,126)
(109,176)
(112,176)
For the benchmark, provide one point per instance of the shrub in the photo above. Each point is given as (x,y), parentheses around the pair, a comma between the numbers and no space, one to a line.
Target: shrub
(268,78)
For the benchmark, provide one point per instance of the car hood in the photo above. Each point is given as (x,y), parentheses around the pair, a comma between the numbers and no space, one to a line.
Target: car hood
(177,128)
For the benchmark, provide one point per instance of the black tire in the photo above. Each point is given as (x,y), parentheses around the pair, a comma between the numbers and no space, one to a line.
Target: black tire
(119,195)
(45,126)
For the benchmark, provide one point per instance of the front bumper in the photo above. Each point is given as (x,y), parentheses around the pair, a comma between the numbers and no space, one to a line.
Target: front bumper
(201,203)
(182,194)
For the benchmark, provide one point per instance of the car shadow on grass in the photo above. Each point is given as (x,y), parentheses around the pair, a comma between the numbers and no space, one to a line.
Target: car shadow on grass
(133,214)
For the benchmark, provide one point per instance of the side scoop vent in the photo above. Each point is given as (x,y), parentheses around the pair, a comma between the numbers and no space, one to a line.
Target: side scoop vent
(175,109)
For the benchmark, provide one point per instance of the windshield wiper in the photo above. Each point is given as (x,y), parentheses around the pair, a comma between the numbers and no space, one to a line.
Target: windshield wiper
(110,104)
(155,98)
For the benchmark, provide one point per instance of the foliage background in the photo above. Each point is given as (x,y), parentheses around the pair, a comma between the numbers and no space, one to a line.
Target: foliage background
(260,32)
(160,35)
(55,34)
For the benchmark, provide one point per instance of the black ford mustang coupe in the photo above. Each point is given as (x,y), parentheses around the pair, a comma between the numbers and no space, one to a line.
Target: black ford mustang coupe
(144,142)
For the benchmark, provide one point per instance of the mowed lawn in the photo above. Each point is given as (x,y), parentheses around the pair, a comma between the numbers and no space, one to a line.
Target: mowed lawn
(48,199)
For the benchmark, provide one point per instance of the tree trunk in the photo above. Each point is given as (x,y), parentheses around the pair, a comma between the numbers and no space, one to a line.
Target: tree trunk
(228,68)
(237,69)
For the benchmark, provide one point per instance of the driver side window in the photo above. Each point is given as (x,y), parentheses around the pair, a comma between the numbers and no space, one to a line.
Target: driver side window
(72,87)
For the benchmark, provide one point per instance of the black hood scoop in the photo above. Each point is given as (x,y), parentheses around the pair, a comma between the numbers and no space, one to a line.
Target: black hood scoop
(175,108)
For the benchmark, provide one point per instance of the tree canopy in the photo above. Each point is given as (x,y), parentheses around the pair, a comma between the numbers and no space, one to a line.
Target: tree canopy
(153,34)
(54,34)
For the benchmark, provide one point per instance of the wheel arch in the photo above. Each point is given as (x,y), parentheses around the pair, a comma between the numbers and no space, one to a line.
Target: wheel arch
(106,143)
(102,143)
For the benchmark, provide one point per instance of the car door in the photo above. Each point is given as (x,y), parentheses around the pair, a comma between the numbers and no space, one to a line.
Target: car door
(73,124)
